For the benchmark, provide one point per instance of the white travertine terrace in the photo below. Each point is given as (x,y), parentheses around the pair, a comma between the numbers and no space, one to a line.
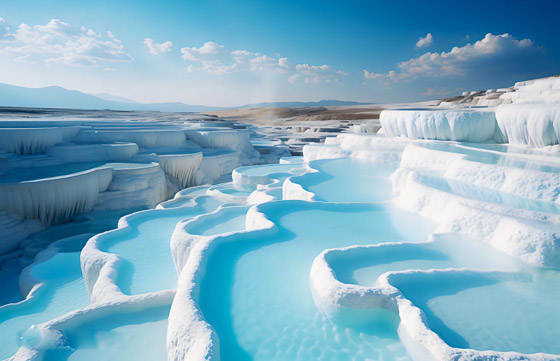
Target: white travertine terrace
(490,213)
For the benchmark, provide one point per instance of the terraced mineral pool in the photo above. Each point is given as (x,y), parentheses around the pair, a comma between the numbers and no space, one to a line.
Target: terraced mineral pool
(207,202)
(504,148)
(468,190)
(347,180)
(227,220)
(133,336)
(267,169)
(470,310)
(364,265)
(228,189)
(265,142)
(44,172)
(256,292)
(497,157)
(142,272)
(63,291)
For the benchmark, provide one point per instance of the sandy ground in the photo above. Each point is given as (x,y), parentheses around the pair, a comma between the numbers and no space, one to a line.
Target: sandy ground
(277,116)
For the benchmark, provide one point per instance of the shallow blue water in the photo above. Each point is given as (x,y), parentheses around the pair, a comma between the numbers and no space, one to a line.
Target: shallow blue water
(147,264)
(256,292)
(267,169)
(119,336)
(63,291)
(480,193)
(229,189)
(512,312)
(477,154)
(347,180)
(231,219)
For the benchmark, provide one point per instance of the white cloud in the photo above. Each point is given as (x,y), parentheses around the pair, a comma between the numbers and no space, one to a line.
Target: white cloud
(492,53)
(242,56)
(293,78)
(208,50)
(207,58)
(259,62)
(316,74)
(61,43)
(391,75)
(267,63)
(283,63)
(4,28)
(425,41)
(211,58)
(371,75)
(157,48)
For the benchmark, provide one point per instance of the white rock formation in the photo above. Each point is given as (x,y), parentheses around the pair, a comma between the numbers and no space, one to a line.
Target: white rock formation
(55,200)
(457,125)
(34,140)
(537,125)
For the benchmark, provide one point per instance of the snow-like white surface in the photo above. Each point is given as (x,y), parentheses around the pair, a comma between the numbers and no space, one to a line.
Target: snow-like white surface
(190,250)
(457,125)
(143,186)
(215,165)
(528,113)
(519,233)
(146,138)
(53,198)
(537,125)
(236,140)
(182,167)
(545,90)
(118,152)
(369,127)
(57,199)
(526,233)
(34,140)
(448,211)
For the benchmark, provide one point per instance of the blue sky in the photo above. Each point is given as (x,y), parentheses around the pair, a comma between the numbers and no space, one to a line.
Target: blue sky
(225,53)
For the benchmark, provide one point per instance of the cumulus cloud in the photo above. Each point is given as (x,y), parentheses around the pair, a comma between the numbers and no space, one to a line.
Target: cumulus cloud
(207,58)
(390,75)
(211,58)
(157,48)
(316,74)
(61,43)
(242,56)
(259,62)
(263,63)
(493,53)
(207,51)
(425,41)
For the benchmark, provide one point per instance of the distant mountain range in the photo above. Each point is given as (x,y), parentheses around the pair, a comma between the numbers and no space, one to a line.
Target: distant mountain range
(58,97)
